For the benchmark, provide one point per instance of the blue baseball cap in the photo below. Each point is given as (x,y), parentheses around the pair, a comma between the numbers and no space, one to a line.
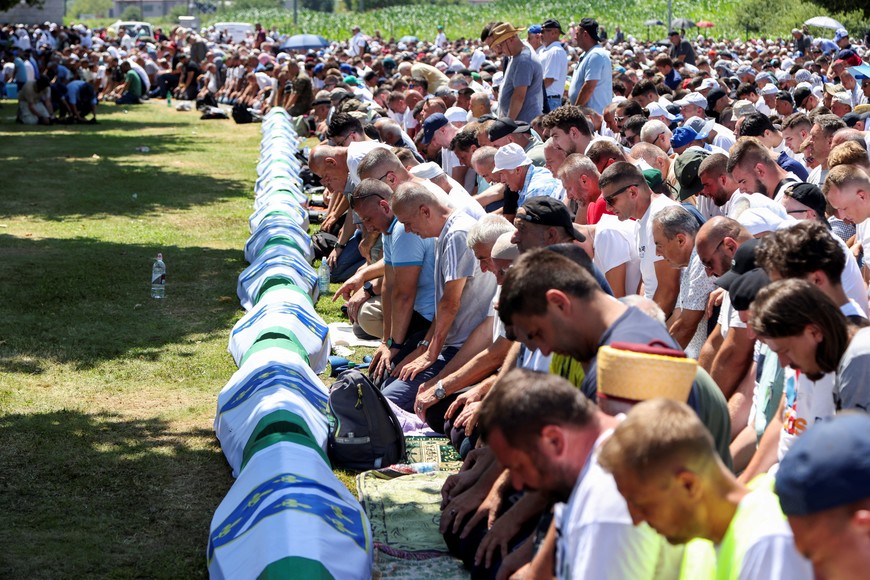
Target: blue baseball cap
(319,67)
(430,125)
(535,29)
(683,136)
(346,68)
(827,467)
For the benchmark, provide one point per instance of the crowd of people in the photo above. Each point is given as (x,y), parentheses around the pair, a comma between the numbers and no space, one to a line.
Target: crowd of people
(626,279)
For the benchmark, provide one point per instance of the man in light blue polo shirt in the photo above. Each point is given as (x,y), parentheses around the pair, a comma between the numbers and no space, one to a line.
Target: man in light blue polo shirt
(523,180)
(592,83)
(408,288)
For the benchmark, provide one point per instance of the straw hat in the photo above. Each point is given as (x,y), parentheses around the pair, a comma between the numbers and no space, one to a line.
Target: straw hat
(502,32)
(627,373)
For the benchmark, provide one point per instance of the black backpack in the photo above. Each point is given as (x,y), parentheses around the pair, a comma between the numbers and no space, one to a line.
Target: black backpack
(241,114)
(364,432)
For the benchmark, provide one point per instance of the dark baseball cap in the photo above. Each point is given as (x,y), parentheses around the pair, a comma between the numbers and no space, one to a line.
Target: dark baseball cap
(745,288)
(827,467)
(432,123)
(743,261)
(811,196)
(713,97)
(784,96)
(686,170)
(505,126)
(549,211)
(590,25)
(552,23)
(800,95)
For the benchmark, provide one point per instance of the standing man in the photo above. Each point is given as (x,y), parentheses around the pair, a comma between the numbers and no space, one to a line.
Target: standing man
(521,96)
(441,39)
(682,49)
(358,43)
(592,84)
(554,61)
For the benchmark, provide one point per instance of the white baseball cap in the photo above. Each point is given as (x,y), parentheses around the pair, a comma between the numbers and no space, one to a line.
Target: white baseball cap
(656,110)
(510,156)
(692,99)
(456,115)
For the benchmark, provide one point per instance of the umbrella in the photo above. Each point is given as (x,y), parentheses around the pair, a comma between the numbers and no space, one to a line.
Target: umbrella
(409,39)
(682,23)
(824,22)
(653,22)
(705,24)
(860,72)
(304,42)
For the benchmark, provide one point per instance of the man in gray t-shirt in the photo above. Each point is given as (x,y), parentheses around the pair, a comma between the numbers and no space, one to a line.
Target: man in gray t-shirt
(462,291)
(521,96)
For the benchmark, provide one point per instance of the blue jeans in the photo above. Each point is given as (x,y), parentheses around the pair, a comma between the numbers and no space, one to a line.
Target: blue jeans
(554,101)
(404,393)
(128,99)
(349,261)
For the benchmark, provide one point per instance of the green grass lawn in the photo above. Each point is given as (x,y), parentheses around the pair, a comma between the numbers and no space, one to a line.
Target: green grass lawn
(110,467)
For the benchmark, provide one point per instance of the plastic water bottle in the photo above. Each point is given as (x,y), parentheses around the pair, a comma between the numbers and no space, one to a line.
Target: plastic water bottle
(425,467)
(168,98)
(323,277)
(158,278)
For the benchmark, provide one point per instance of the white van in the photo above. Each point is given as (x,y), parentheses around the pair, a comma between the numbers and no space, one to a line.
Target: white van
(236,31)
(132,27)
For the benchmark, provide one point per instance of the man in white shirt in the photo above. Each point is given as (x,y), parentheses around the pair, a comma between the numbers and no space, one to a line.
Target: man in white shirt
(554,61)
(357,44)
(547,435)
(626,193)
(824,127)
(441,39)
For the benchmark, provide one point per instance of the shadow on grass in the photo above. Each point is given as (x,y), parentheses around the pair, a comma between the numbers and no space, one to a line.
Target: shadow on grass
(101,496)
(82,301)
(55,176)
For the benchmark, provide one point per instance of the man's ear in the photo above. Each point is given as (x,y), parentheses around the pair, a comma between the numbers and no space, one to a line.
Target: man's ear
(552,441)
(559,300)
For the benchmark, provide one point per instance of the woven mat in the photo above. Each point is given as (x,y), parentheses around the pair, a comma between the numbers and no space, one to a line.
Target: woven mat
(404,511)
(433,450)
(437,568)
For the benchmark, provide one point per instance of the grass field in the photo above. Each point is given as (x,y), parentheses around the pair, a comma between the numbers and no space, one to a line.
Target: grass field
(107,397)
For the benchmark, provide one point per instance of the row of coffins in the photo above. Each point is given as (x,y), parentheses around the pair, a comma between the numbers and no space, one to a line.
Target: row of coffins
(286,515)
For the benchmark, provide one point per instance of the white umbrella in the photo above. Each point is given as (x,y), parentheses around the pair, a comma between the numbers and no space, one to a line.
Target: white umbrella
(824,22)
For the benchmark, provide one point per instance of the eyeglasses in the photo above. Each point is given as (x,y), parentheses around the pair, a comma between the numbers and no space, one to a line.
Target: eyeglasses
(354,198)
(608,200)
(708,264)
(344,139)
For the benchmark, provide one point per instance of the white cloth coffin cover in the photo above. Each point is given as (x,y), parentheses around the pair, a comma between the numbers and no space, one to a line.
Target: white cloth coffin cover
(294,317)
(272,385)
(275,261)
(288,516)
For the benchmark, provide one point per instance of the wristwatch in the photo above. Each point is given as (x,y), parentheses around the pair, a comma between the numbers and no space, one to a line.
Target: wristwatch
(424,343)
(340,246)
(368,289)
(393,344)
(440,393)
